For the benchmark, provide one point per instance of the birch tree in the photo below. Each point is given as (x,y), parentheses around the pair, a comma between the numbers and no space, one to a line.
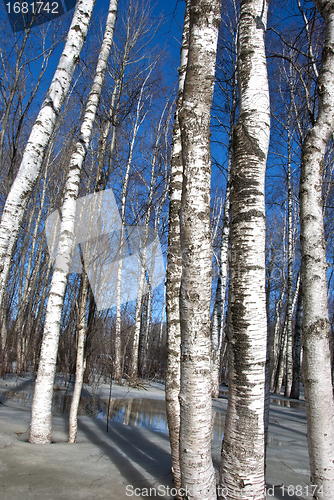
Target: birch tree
(289,309)
(242,457)
(173,271)
(36,147)
(217,331)
(316,327)
(40,427)
(295,388)
(197,473)
(224,112)
(80,361)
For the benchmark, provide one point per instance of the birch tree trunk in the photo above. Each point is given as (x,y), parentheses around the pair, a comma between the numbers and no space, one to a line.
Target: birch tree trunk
(80,364)
(243,449)
(295,388)
(35,150)
(174,270)
(281,361)
(80,361)
(133,364)
(217,332)
(40,427)
(4,352)
(197,473)
(316,326)
(217,337)
(277,338)
(289,309)
(143,337)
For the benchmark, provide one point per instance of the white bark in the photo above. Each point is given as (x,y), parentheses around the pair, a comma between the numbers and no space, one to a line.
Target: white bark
(173,272)
(281,360)
(40,428)
(197,473)
(243,449)
(80,361)
(117,365)
(316,327)
(3,331)
(133,368)
(35,150)
(217,331)
(289,309)
(295,388)
(277,336)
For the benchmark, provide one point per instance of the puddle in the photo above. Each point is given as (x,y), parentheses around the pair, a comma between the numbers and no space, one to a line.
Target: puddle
(143,412)
(149,413)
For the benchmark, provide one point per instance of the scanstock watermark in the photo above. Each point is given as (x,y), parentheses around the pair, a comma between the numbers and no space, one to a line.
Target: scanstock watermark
(280,491)
(24,15)
(102,245)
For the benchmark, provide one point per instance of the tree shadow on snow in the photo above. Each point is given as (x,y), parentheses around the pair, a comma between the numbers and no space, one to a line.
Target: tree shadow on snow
(131,450)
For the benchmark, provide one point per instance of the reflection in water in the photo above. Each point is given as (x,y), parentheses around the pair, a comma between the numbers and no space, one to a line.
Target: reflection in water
(218,427)
(132,411)
(272,441)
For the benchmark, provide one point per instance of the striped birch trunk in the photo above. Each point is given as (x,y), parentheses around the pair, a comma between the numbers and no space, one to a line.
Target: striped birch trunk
(243,450)
(316,326)
(197,473)
(295,388)
(217,331)
(174,270)
(40,427)
(133,365)
(289,308)
(80,362)
(41,132)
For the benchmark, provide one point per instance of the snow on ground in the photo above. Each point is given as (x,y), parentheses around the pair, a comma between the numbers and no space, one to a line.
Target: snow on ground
(128,461)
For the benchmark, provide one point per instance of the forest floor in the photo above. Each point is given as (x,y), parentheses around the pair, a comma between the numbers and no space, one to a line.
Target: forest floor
(133,457)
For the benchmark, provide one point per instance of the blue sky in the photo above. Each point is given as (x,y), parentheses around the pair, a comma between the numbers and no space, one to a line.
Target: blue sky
(169,34)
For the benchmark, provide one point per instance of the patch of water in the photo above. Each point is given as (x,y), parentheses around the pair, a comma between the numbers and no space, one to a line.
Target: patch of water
(142,412)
